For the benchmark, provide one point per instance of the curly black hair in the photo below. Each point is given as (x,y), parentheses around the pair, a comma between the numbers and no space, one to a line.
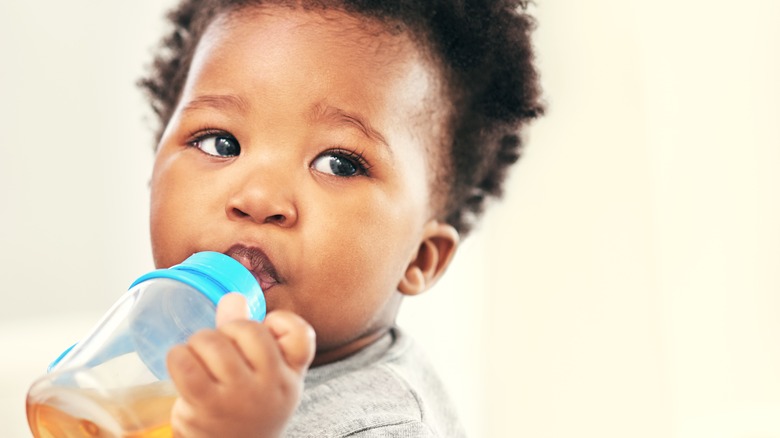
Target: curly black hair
(485,51)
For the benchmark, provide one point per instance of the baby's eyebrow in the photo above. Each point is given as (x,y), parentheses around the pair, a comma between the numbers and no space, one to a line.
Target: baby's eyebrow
(325,112)
(225,102)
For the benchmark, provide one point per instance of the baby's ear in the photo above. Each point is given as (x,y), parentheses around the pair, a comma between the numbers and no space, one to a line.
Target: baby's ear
(438,245)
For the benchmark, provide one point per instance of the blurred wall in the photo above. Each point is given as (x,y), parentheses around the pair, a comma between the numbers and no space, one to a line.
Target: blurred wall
(626,286)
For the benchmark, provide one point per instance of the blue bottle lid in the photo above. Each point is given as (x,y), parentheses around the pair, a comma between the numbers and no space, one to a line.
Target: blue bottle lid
(214,274)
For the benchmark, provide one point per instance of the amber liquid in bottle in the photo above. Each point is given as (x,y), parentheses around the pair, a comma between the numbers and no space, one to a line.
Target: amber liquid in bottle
(141,412)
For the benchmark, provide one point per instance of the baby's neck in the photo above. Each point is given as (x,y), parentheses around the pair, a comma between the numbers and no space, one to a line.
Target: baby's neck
(323,357)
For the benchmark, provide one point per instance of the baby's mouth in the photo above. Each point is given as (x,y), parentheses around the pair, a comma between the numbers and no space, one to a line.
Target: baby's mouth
(258,263)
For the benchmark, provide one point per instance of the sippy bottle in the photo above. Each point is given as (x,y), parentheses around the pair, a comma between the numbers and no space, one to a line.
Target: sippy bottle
(114,382)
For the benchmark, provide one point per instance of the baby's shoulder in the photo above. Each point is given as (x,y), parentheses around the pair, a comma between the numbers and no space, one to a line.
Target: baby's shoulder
(375,397)
(395,393)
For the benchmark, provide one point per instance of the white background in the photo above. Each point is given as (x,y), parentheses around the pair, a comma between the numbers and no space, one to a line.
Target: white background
(626,286)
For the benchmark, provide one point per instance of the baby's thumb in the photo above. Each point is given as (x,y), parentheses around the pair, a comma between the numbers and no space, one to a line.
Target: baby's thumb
(232,307)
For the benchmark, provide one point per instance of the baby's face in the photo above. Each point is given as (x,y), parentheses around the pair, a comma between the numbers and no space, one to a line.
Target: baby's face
(299,148)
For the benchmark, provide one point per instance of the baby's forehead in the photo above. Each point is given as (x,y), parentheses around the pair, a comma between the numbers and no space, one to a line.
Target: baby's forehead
(374,57)
(365,40)
(349,27)
(342,60)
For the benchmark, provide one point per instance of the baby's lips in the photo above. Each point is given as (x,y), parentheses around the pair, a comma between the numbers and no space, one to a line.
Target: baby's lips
(257,262)
(265,283)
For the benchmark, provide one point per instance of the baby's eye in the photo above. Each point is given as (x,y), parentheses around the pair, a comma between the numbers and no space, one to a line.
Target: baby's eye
(344,164)
(218,145)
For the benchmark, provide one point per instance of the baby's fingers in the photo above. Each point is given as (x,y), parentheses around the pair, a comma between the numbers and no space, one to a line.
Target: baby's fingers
(208,360)
(256,344)
(188,373)
(295,337)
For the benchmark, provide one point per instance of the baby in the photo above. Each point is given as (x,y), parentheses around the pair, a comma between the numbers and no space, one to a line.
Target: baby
(339,150)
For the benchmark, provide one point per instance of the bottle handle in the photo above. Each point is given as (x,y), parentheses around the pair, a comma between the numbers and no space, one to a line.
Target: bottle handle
(125,347)
(59,358)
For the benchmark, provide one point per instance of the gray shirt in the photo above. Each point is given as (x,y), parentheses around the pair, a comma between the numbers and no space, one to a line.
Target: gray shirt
(388,389)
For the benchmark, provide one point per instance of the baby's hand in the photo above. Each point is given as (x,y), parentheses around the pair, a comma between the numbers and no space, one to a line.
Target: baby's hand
(243,379)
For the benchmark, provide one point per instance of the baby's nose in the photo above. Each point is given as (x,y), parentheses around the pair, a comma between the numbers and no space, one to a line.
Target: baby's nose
(263,199)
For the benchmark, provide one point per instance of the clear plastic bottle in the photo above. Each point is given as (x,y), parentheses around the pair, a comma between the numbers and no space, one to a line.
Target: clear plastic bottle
(114,382)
